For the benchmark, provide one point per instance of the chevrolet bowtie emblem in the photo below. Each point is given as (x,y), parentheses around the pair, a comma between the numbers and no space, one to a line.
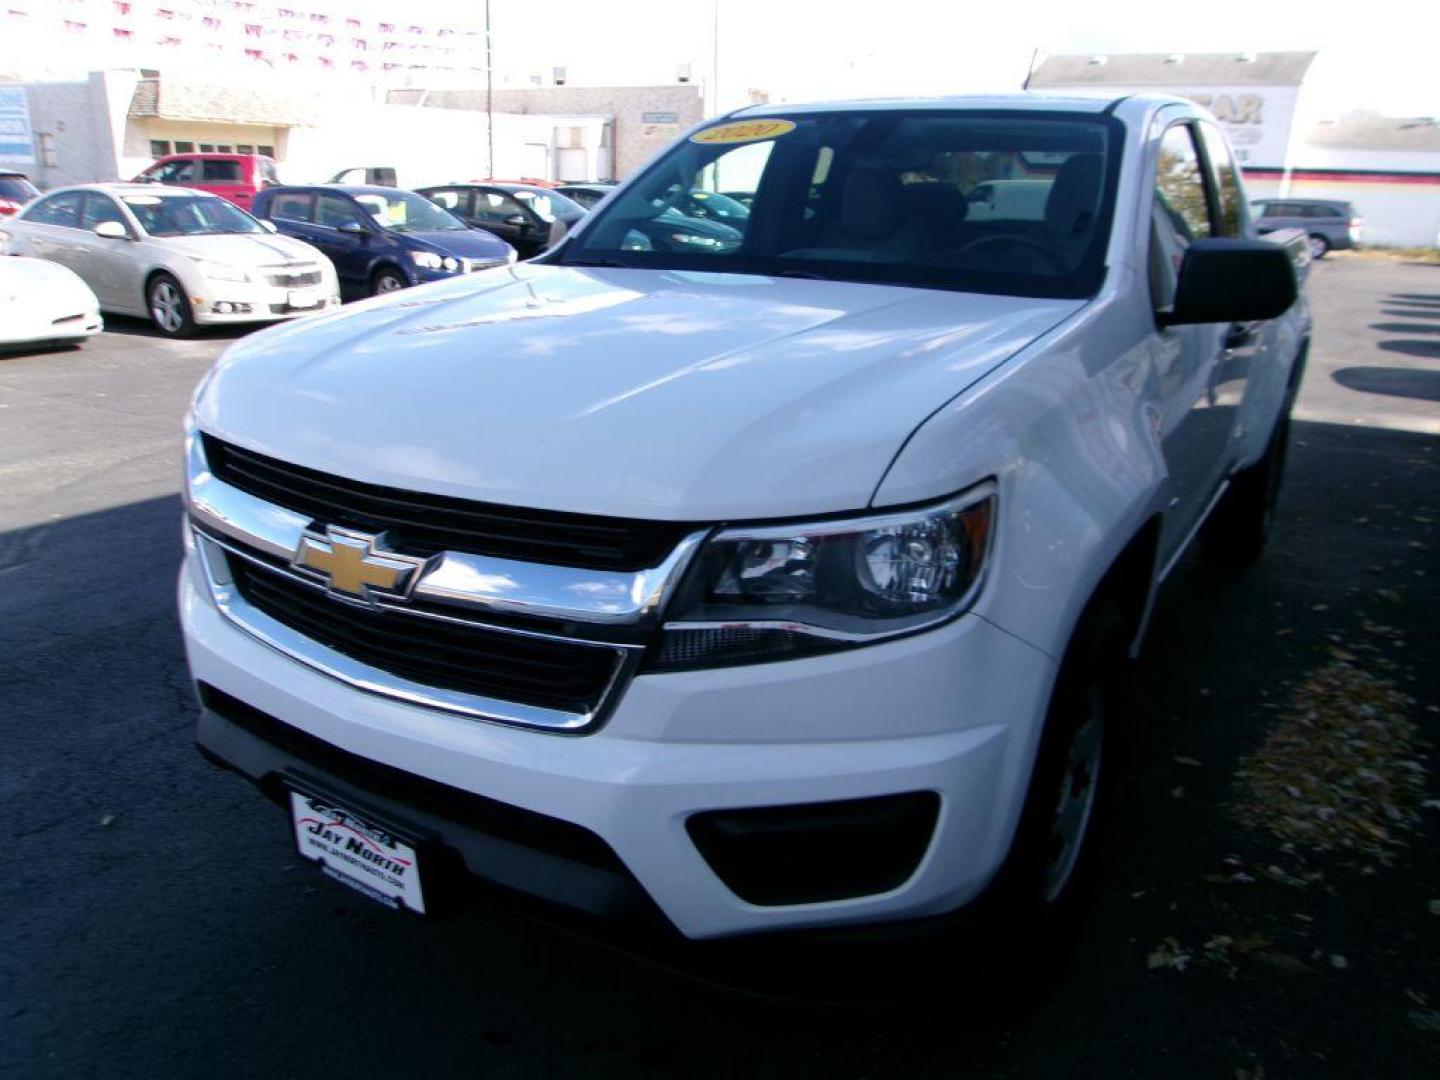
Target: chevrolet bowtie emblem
(352,564)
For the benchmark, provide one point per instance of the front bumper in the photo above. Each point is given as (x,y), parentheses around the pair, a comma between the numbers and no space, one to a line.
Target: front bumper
(62,325)
(954,712)
(221,302)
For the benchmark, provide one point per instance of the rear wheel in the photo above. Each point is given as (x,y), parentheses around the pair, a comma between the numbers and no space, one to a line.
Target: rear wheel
(1319,246)
(169,307)
(386,280)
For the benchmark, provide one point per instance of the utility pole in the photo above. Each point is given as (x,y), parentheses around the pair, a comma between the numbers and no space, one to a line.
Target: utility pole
(489,100)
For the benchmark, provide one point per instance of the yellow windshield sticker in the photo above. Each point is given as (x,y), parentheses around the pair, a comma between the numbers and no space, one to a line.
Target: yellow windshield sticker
(743,131)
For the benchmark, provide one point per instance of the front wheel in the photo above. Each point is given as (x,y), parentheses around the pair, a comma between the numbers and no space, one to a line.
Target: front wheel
(1036,899)
(1319,246)
(169,307)
(386,280)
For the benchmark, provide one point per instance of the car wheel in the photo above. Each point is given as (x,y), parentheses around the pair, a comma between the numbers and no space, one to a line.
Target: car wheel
(1236,533)
(387,280)
(1319,246)
(1036,899)
(169,307)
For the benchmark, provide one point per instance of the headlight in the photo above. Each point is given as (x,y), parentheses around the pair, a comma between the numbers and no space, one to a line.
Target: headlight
(429,260)
(782,591)
(214,271)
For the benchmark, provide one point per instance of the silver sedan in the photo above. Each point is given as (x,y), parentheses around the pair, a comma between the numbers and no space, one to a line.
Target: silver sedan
(179,257)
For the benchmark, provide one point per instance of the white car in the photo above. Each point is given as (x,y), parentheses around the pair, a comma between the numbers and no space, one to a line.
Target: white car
(777,585)
(41,303)
(179,257)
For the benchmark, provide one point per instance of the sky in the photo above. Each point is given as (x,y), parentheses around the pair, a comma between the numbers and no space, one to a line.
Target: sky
(1378,56)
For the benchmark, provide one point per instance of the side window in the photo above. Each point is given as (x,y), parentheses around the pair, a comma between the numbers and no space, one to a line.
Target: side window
(221,172)
(454,201)
(174,172)
(333,211)
(292,206)
(496,206)
(100,208)
(1181,212)
(1227,181)
(62,209)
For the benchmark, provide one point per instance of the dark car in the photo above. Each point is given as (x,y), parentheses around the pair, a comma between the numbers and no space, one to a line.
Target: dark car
(587,195)
(712,206)
(520,214)
(15,191)
(1332,225)
(381,239)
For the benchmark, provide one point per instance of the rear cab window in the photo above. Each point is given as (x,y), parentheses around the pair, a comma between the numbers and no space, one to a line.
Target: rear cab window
(221,171)
(1180,213)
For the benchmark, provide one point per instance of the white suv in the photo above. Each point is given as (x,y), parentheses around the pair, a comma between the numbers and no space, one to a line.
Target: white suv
(766,584)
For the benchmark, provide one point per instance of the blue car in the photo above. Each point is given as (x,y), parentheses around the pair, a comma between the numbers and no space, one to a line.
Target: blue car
(380,239)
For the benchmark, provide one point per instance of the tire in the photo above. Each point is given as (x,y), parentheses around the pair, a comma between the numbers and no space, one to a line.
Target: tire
(1033,906)
(387,280)
(1238,528)
(1319,246)
(169,308)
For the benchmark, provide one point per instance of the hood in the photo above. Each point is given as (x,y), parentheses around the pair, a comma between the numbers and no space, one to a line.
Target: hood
(241,249)
(27,282)
(640,393)
(469,244)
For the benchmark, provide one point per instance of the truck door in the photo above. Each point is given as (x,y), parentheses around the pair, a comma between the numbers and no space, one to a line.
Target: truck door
(1190,361)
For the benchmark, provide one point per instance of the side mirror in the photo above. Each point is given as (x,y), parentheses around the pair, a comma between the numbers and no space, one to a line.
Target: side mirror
(112,230)
(1224,281)
(517,219)
(268,225)
(353,228)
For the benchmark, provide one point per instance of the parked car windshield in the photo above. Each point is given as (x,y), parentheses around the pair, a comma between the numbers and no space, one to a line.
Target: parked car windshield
(17,188)
(190,215)
(1002,202)
(405,212)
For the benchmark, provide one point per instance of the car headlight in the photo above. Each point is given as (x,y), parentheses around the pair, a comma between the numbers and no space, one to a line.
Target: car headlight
(429,260)
(777,592)
(214,271)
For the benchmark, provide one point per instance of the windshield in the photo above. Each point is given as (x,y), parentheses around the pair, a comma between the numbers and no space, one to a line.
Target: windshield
(406,212)
(17,188)
(190,215)
(1003,202)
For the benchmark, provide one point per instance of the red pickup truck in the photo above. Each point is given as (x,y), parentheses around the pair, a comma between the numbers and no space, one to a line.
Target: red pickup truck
(237,177)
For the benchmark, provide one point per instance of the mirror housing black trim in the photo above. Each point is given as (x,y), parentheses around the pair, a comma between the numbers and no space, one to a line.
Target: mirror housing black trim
(1228,280)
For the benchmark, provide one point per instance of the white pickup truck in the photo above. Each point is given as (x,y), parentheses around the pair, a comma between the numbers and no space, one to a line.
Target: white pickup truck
(750,585)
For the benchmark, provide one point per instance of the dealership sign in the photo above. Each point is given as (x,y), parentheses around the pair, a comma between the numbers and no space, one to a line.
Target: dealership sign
(17,144)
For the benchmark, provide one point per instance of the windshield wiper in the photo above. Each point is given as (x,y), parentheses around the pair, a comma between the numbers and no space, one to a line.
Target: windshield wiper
(809,275)
(607,263)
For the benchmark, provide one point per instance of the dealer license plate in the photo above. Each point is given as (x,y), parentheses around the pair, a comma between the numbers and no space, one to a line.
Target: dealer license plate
(356,852)
(301,299)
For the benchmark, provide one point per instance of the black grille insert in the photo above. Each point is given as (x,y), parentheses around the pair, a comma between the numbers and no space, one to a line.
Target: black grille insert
(423,524)
(526,828)
(451,655)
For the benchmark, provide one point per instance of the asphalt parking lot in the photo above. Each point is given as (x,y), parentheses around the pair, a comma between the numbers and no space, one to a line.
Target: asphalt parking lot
(155,921)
